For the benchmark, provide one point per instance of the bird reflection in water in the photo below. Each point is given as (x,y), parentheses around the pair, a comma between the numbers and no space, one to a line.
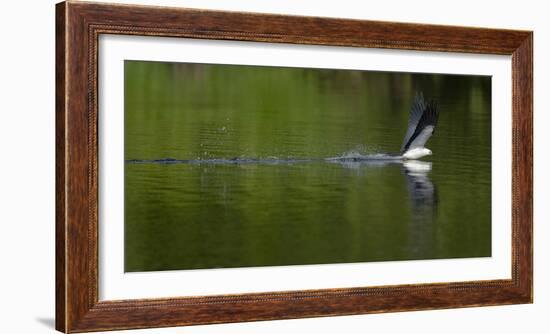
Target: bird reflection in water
(422,191)
(423,199)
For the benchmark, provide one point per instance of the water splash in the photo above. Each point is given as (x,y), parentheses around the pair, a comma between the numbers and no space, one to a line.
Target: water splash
(357,156)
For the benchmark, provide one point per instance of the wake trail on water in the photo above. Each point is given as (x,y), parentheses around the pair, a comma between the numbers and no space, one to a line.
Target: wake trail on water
(351,156)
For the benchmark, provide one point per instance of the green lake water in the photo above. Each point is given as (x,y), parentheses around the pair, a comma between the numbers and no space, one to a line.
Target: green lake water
(213,211)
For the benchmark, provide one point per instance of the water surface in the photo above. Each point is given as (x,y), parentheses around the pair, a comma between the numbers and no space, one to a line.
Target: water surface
(225,167)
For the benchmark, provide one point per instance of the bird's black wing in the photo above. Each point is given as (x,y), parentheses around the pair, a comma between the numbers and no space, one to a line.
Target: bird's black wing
(422,121)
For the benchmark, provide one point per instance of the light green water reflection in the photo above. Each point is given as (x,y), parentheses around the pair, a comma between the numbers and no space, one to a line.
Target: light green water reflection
(203,215)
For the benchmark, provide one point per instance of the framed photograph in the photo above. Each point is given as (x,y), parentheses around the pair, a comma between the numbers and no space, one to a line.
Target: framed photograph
(223,167)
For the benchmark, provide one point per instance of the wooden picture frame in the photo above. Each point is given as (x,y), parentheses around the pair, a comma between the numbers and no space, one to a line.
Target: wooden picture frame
(78,26)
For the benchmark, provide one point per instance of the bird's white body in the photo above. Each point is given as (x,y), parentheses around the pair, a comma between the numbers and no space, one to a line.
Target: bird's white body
(416,153)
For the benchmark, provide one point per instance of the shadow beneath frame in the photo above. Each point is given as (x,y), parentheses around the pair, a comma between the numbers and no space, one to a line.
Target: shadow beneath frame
(48,322)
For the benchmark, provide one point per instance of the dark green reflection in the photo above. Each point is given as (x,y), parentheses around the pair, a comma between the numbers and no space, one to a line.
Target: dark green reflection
(204,215)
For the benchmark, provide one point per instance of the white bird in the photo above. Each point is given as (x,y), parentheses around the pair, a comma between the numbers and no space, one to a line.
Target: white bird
(422,121)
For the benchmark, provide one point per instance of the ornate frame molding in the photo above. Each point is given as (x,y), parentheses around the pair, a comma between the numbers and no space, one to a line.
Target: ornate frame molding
(78,27)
